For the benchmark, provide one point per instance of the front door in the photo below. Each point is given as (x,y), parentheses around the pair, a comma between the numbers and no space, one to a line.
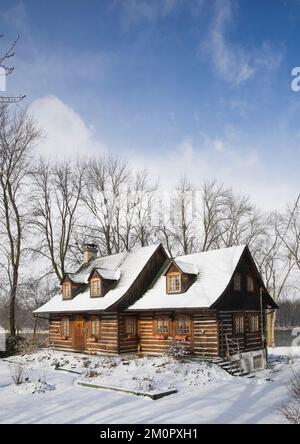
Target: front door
(79,337)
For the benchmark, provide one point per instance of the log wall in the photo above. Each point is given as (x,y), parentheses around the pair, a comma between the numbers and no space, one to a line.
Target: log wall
(206,334)
(207,339)
(248,341)
(127,343)
(106,344)
(55,337)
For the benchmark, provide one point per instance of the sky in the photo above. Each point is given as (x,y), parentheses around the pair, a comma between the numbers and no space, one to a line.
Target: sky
(200,88)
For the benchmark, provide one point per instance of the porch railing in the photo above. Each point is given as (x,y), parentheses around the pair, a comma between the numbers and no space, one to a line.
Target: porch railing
(232,347)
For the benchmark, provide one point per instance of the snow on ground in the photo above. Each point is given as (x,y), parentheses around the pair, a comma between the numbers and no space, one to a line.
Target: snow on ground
(206,394)
(140,374)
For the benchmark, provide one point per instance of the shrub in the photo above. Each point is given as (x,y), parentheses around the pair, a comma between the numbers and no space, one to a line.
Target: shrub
(291,409)
(92,374)
(13,344)
(144,384)
(86,363)
(176,351)
(16,372)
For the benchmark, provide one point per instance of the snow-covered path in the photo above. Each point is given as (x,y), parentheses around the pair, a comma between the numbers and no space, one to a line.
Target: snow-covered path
(233,400)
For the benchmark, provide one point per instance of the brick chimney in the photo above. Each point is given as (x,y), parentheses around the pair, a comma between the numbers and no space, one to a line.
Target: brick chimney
(89,252)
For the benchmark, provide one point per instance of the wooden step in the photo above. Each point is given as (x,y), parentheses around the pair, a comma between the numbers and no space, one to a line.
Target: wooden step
(232,368)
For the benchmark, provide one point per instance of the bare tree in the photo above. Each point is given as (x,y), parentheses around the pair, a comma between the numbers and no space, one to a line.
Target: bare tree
(164,230)
(124,217)
(56,196)
(18,133)
(291,409)
(289,230)
(275,264)
(106,180)
(5,58)
(183,217)
(242,224)
(145,198)
(212,214)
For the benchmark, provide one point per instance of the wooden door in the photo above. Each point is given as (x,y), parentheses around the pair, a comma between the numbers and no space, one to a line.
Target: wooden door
(79,336)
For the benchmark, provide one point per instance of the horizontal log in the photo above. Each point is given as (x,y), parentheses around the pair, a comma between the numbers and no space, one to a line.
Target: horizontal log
(128,349)
(208,321)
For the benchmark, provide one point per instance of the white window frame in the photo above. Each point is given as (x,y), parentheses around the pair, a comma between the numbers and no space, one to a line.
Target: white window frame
(67,290)
(95,292)
(174,282)
(254,322)
(95,327)
(238,324)
(65,327)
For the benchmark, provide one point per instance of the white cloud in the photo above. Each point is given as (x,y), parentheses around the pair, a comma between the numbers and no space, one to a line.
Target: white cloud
(132,11)
(231,61)
(66,134)
(211,157)
(220,159)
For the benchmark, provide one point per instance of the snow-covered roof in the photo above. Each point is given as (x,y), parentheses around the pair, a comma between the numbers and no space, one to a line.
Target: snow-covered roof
(186,267)
(214,271)
(108,265)
(113,275)
(128,265)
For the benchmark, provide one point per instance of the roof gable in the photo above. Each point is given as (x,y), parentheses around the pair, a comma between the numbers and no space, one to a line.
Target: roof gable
(215,269)
(103,273)
(130,265)
(186,267)
(242,299)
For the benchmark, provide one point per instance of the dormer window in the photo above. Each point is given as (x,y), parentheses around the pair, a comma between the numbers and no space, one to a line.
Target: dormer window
(67,290)
(95,287)
(174,282)
(237,281)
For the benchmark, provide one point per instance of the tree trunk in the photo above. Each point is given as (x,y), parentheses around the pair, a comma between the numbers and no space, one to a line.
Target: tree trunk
(12,314)
(34,329)
(271,328)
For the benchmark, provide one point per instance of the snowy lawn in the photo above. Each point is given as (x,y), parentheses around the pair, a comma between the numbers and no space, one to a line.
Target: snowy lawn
(206,394)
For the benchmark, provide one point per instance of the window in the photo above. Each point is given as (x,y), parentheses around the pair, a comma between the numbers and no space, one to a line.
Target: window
(67,290)
(238,323)
(254,323)
(130,326)
(250,283)
(183,326)
(237,281)
(162,326)
(95,287)
(173,282)
(65,327)
(95,327)
(257,362)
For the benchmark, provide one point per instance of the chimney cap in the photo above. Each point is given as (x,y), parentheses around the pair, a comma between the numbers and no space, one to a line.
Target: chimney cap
(90,247)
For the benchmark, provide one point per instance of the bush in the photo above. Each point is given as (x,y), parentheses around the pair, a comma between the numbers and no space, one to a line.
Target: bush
(16,372)
(176,351)
(91,374)
(144,384)
(13,344)
(291,409)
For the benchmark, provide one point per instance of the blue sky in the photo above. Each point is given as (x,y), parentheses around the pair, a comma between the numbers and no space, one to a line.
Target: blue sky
(196,87)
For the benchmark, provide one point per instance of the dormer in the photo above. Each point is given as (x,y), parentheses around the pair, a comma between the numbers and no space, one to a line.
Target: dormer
(95,285)
(69,287)
(179,276)
(102,280)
